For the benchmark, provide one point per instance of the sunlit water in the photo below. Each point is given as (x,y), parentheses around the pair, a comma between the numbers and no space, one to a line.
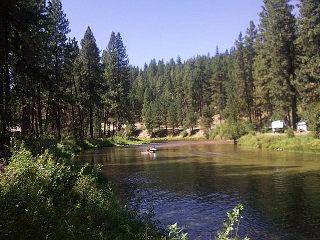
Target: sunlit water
(196,183)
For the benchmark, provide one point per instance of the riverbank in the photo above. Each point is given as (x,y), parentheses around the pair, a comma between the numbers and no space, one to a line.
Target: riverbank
(39,188)
(281,142)
(41,198)
(68,147)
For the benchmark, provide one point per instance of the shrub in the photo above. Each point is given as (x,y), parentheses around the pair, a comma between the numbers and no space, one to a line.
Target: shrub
(252,133)
(313,115)
(290,133)
(43,199)
(184,133)
(214,132)
(235,129)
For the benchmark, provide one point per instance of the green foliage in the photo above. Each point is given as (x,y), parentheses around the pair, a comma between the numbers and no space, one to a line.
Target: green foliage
(235,130)
(290,133)
(234,217)
(206,119)
(213,133)
(172,115)
(304,143)
(191,120)
(230,225)
(184,133)
(88,84)
(66,92)
(307,44)
(274,68)
(232,130)
(313,115)
(43,199)
(116,79)
(63,148)
(176,233)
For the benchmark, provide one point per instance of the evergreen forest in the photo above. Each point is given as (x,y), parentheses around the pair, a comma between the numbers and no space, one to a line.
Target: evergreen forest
(54,86)
(61,95)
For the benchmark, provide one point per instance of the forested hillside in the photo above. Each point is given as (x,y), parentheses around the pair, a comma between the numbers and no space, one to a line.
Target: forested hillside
(54,86)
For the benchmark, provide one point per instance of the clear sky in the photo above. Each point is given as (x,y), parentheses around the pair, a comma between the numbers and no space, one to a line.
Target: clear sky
(163,29)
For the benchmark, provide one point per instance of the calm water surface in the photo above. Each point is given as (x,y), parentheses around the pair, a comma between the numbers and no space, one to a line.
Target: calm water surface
(196,183)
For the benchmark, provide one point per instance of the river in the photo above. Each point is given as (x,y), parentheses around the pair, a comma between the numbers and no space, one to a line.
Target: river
(195,183)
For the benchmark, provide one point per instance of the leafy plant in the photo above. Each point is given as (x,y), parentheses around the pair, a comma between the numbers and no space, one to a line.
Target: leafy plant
(176,233)
(313,116)
(235,129)
(184,133)
(290,133)
(41,198)
(214,132)
(234,217)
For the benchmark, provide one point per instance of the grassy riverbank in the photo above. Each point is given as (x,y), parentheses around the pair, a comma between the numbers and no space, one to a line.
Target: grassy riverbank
(65,148)
(298,142)
(43,197)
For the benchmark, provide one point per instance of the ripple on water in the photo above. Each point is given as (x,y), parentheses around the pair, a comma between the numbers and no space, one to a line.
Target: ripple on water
(196,184)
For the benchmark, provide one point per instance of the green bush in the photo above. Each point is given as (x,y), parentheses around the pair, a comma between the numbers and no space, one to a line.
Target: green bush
(235,130)
(184,133)
(313,115)
(290,133)
(252,133)
(43,199)
(214,132)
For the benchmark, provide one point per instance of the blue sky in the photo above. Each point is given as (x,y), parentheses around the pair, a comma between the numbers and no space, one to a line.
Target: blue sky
(163,29)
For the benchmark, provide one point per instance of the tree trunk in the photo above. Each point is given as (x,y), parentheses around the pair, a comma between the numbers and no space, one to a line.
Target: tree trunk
(294,109)
(39,109)
(79,109)
(5,88)
(91,118)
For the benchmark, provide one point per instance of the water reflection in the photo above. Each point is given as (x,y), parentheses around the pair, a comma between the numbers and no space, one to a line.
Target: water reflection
(195,183)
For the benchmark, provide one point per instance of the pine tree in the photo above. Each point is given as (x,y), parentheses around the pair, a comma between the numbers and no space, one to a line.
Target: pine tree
(136,96)
(275,67)
(308,43)
(58,28)
(88,78)
(250,53)
(116,74)
(218,84)
(72,51)
(173,116)
(243,62)
(21,23)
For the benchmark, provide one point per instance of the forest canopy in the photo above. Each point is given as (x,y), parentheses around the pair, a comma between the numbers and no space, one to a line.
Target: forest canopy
(53,87)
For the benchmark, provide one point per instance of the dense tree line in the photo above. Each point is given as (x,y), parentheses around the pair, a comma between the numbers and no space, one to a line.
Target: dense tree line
(271,73)
(51,86)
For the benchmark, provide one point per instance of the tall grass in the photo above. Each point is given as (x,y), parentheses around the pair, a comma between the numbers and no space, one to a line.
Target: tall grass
(304,143)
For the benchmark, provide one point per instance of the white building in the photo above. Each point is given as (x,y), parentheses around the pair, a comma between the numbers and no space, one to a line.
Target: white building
(278,126)
(302,126)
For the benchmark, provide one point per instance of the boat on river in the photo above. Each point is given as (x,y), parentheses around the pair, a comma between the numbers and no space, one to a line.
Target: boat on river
(150,150)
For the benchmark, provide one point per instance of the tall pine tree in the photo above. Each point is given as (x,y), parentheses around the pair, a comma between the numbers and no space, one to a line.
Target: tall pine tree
(275,66)
(58,28)
(117,79)
(88,77)
(308,43)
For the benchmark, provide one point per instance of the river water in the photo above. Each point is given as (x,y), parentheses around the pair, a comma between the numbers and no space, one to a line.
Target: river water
(196,183)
